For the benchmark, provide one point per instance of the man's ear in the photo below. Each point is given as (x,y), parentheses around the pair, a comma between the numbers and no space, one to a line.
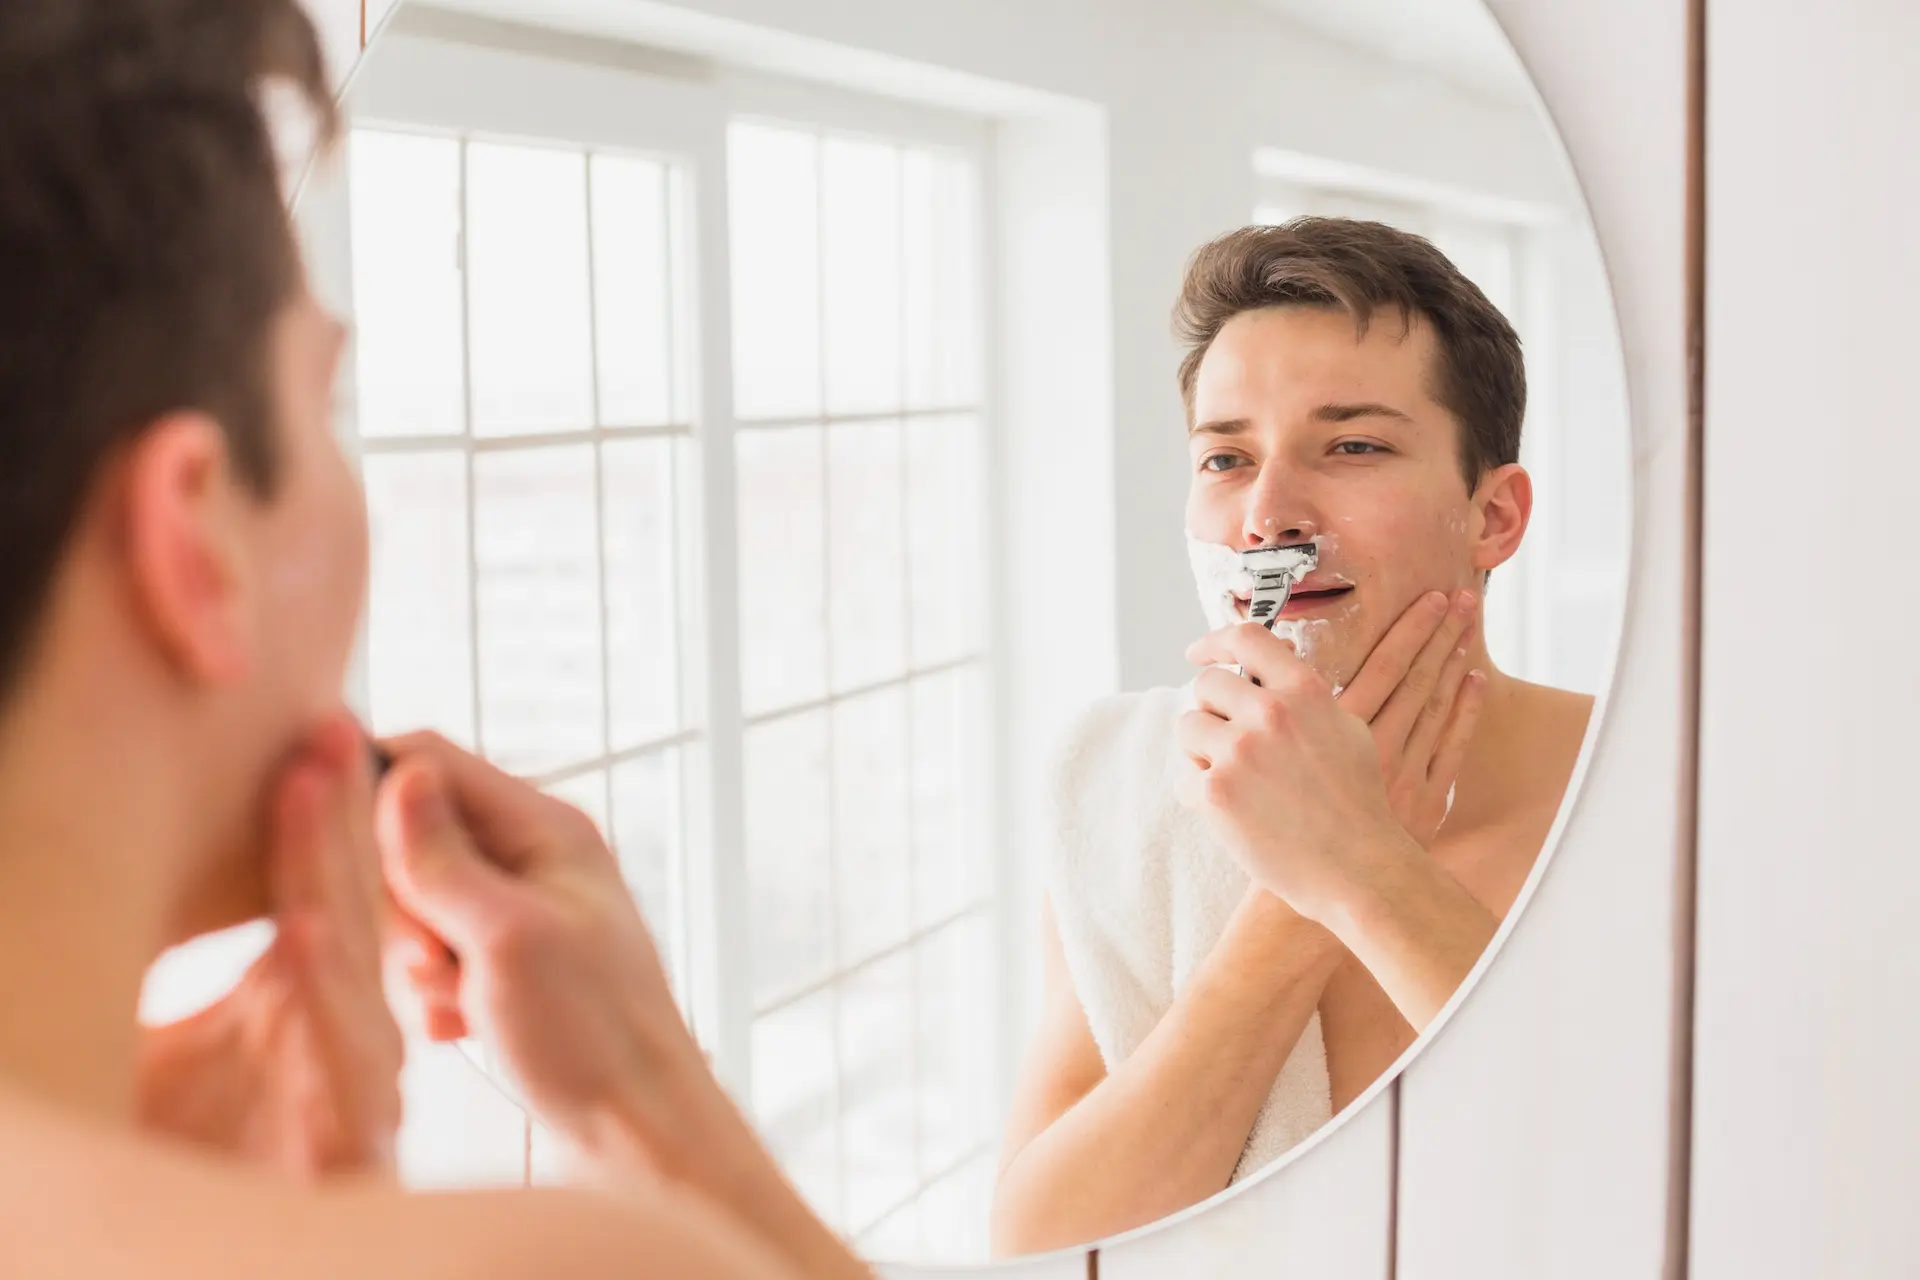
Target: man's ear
(1504,499)
(184,547)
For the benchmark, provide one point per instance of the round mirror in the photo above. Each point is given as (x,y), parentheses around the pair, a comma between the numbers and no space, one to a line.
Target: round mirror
(777,444)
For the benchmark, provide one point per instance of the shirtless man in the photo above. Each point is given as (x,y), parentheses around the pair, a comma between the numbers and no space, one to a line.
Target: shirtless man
(1344,383)
(184,562)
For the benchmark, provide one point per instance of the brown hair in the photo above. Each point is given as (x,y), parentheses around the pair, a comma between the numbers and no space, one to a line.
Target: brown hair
(145,249)
(1360,267)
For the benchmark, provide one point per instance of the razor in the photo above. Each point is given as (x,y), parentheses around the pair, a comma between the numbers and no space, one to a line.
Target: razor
(1276,571)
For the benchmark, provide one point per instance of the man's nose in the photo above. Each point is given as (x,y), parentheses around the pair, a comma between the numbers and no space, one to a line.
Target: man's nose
(1267,530)
(1276,517)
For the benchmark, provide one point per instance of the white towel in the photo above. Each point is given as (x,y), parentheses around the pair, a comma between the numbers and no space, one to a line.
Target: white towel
(1141,893)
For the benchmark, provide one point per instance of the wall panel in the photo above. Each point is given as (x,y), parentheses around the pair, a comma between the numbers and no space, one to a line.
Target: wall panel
(1535,1131)
(1807,1121)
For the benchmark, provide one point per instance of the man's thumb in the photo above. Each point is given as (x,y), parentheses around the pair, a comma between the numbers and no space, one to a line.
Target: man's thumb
(432,866)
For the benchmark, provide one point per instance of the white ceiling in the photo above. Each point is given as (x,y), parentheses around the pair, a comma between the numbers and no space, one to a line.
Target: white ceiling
(1456,39)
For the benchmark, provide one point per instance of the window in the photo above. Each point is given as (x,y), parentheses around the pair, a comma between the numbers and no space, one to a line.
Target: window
(858,448)
(523,426)
(539,422)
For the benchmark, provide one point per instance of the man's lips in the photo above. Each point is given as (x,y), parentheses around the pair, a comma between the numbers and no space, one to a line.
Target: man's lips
(1305,600)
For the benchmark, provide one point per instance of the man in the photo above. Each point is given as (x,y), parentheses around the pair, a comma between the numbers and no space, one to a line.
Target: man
(185,555)
(1383,788)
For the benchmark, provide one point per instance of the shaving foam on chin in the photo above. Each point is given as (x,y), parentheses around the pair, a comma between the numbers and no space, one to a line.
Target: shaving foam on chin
(1218,573)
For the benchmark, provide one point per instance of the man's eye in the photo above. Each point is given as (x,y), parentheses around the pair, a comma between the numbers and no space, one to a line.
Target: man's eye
(1220,462)
(1357,448)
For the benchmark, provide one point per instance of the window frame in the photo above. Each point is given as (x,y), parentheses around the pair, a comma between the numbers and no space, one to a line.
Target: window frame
(679,112)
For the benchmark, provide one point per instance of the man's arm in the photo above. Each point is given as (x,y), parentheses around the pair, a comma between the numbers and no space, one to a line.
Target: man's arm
(533,942)
(1090,1153)
(1291,784)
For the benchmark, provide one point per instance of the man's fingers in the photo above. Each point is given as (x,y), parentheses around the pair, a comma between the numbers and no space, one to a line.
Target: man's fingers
(435,872)
(1203,736)
(1264,656)
(1394,656)
(1436,713)
(511,822)
(1394,723)
(1451,752)
(1226,695)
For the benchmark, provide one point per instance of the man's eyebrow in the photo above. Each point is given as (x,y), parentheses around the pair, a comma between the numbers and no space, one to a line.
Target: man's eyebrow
(1221,427)
(1349,412)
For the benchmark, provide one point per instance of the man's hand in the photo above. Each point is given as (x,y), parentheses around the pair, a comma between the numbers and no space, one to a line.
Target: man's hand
(1423,703)
(532,940)
(1290,783)
(298,1068)
(525,933)
(1287,778)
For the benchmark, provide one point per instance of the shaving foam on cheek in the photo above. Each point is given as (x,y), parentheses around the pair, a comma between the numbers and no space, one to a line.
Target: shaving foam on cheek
(1216,574)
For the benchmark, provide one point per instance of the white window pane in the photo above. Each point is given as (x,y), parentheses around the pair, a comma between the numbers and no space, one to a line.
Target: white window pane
(642,609)
(459,1129)
(527,270)
(877,1089)
(189,977)
(419,632)
(541,700)
(919,262)
(789,881)
(866,578)
(409,368)
(860,201)
(958,1041)
(681,293)
(630,290)
(793,1097)
(587,793)
(943,255)
(646,836)
(872,849)
(774,203)
(951,858)
(1484,255)
(550,1160)
(783,635)
(954,1213)
(898,1235)
(945,548)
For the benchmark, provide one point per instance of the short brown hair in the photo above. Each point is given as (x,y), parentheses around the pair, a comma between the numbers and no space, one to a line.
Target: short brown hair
(145,249)
(1360,267)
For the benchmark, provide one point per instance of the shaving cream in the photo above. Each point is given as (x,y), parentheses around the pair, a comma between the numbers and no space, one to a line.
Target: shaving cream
(1220,579)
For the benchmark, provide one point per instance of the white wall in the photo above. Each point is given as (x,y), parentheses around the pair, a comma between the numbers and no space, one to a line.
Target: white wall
(1806,1134)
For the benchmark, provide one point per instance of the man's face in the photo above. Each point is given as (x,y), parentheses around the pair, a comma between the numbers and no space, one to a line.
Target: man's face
(311,536)
(305,550)
(1303,431)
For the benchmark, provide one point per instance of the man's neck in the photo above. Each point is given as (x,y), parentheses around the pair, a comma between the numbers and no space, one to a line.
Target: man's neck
(83,908)
(1524,732)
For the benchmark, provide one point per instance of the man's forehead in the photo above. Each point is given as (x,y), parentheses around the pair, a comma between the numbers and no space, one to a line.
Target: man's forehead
(1298,359)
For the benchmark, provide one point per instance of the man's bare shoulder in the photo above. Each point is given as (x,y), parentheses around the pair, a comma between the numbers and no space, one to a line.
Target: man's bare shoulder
(85,1200)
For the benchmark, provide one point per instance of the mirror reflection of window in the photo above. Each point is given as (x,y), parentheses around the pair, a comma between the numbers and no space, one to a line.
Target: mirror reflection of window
(519,432)
(522,416)
(856,389)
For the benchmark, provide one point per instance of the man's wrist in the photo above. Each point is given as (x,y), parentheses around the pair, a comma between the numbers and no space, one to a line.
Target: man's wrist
(1369,902)
(673,1121)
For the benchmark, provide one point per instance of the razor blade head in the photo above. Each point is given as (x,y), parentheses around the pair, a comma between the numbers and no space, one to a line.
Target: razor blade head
(1276,571)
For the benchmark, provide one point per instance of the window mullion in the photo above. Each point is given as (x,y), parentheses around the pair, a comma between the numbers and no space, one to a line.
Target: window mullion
(719,920)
